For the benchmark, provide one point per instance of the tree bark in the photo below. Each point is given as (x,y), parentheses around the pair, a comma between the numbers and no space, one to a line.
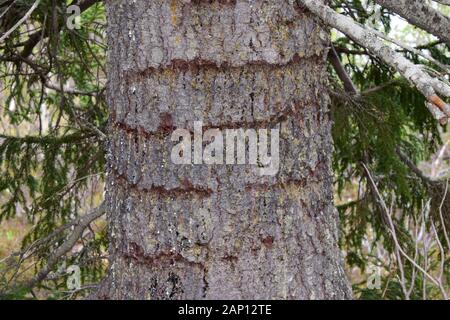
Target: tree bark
(219,231)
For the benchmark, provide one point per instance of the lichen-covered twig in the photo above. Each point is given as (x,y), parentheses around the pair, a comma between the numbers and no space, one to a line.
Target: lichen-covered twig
(418,13)
(444,2)
(22,20)
(430,87)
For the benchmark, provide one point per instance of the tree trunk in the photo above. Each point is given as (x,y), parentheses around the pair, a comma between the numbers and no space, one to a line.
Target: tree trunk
(219,231)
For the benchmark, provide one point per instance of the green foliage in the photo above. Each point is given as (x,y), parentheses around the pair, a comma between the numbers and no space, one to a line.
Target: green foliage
(389,117)
(18,293)
(47,174)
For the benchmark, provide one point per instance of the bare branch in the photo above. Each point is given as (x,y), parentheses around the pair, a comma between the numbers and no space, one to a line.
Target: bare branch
(442,66)
(81,224)
(22,20)
(413,167)
(36,37)
(441,216)
(418,13)
(71,91)
(349,86)
(398,248)
(427,85)
(7,9)
(444,2)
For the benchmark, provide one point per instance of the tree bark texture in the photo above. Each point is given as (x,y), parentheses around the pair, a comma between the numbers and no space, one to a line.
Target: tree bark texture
(219,231)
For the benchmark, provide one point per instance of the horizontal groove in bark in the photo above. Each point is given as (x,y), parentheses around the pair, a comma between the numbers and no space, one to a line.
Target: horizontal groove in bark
(187,189)
(235,33)
(131,77)
(166,126)
(137,254)
(281,184)
(139,131)
(214,96)
(212,2)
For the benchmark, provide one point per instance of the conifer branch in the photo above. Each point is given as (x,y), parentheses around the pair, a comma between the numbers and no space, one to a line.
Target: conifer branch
(418,13)
(430,87)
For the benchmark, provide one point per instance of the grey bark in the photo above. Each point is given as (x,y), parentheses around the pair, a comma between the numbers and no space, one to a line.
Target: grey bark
(210,232)
(420,14)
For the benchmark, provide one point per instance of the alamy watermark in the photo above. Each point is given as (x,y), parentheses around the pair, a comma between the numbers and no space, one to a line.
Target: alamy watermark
(73,273)
(374,279)
(74,18)
(74,278)
(243,146)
